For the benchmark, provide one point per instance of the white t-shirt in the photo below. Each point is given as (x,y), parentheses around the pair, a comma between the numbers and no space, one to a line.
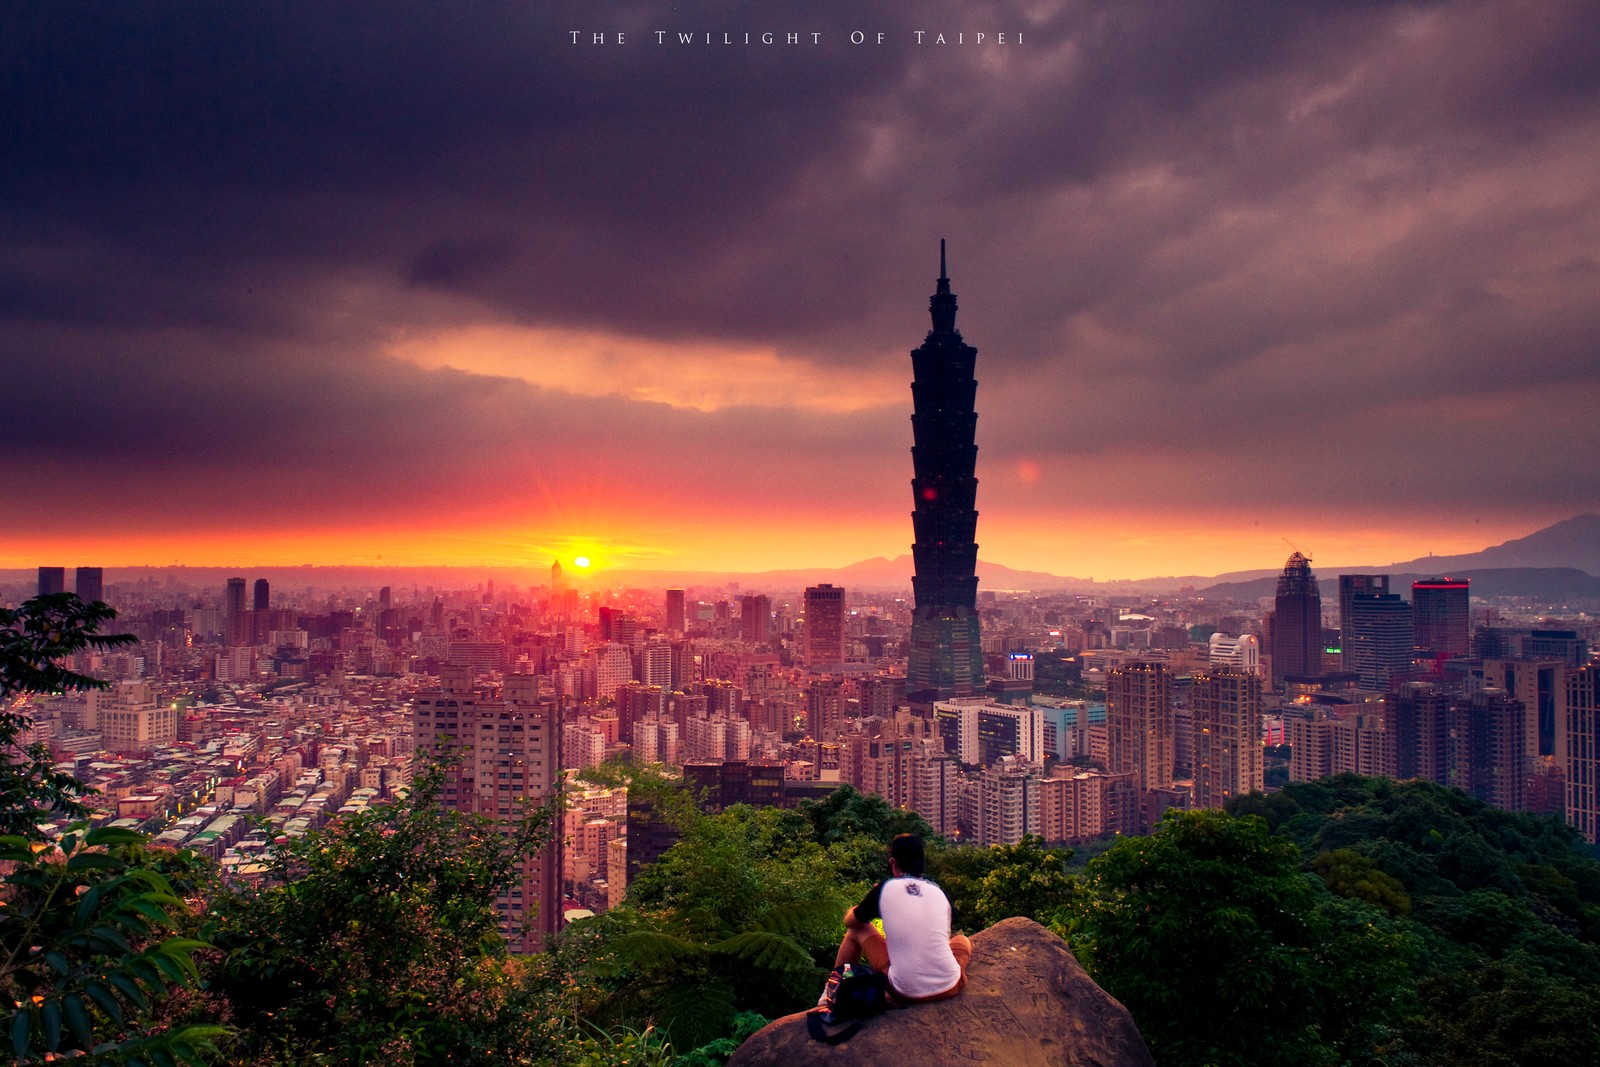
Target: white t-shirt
(916,923)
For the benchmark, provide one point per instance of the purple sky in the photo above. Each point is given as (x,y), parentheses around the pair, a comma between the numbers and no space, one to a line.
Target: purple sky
(430,282)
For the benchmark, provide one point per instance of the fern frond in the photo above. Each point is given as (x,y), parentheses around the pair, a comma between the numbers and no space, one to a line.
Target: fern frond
(642,950)
(766,950)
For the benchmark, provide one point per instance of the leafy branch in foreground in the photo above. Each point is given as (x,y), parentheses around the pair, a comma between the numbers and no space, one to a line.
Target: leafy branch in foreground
(376,939)
(34,638)
(82,952)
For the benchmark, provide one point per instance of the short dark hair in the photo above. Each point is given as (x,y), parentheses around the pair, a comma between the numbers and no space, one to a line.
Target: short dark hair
(907,853)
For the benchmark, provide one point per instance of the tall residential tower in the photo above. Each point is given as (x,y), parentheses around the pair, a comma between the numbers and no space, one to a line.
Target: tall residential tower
(946,651)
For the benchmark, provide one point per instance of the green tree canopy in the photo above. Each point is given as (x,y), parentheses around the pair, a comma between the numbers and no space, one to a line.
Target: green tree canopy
(375,940)
(1226,952)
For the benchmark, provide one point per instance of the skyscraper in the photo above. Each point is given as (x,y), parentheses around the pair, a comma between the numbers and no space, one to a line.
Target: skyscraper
(1296,623)
(1440,609)
(675,611)
(946,647)
(89,584)
(1349,586)
(262,600)
(235,624)
(1377,640)
(52,580)
(824,625)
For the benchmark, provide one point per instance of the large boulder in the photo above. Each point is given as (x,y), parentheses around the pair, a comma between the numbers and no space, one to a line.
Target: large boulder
(1027,1002)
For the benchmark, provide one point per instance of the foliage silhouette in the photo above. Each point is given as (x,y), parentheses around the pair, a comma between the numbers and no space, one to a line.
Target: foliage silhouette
(87,955)
(34,638)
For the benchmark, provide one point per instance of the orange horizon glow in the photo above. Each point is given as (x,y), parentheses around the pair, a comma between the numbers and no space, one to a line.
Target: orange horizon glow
(1105,548)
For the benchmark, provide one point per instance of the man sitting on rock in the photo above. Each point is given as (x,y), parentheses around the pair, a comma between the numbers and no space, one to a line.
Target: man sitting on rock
(928,962)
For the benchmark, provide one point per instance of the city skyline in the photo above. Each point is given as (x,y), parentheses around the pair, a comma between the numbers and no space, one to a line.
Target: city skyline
(395,285)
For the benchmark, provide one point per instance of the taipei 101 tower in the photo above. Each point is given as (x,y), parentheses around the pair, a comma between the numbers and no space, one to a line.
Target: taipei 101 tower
(946,652)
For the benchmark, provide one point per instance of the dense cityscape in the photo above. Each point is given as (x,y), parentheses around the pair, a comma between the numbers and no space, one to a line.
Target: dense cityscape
(1094,717)
(993,715)
(460,600)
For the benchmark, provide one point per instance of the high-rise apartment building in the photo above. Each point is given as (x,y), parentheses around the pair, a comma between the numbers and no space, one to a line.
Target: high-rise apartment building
(980,731)
(1440,614)
(824,626)
(635,701)
(1008,802)
(89,584)
(1296,623)
(1497,753)
(825,710)
(507,759)
(880,756)
(1582,751)
(1227,735)
(1377,637)
(1538,683)
(946,642)
(613,668)
(1077,806)
(1139,724)
(1419,718)
(656,741)
(755,616)
(1348,741)
(655,663)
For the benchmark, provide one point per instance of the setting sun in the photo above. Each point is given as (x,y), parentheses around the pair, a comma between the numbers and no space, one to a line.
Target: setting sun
(581,561)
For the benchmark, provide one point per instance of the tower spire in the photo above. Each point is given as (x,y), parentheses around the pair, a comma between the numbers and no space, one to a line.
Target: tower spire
(946,636)
(942,305)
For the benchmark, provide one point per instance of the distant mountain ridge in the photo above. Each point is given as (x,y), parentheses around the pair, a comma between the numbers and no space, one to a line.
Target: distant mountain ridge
(1550,585)
(1573,542)
(1559,562)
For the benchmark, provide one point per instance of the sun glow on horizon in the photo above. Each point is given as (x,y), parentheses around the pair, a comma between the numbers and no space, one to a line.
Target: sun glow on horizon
(1099,546)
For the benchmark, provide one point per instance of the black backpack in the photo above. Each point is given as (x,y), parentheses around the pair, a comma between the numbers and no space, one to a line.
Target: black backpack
(860,995)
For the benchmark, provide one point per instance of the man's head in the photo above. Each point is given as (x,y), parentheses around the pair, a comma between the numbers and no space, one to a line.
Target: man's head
(907,855)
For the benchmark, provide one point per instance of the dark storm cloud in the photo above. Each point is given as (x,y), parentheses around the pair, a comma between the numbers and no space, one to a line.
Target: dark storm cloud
(1182,232)
(171,419)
